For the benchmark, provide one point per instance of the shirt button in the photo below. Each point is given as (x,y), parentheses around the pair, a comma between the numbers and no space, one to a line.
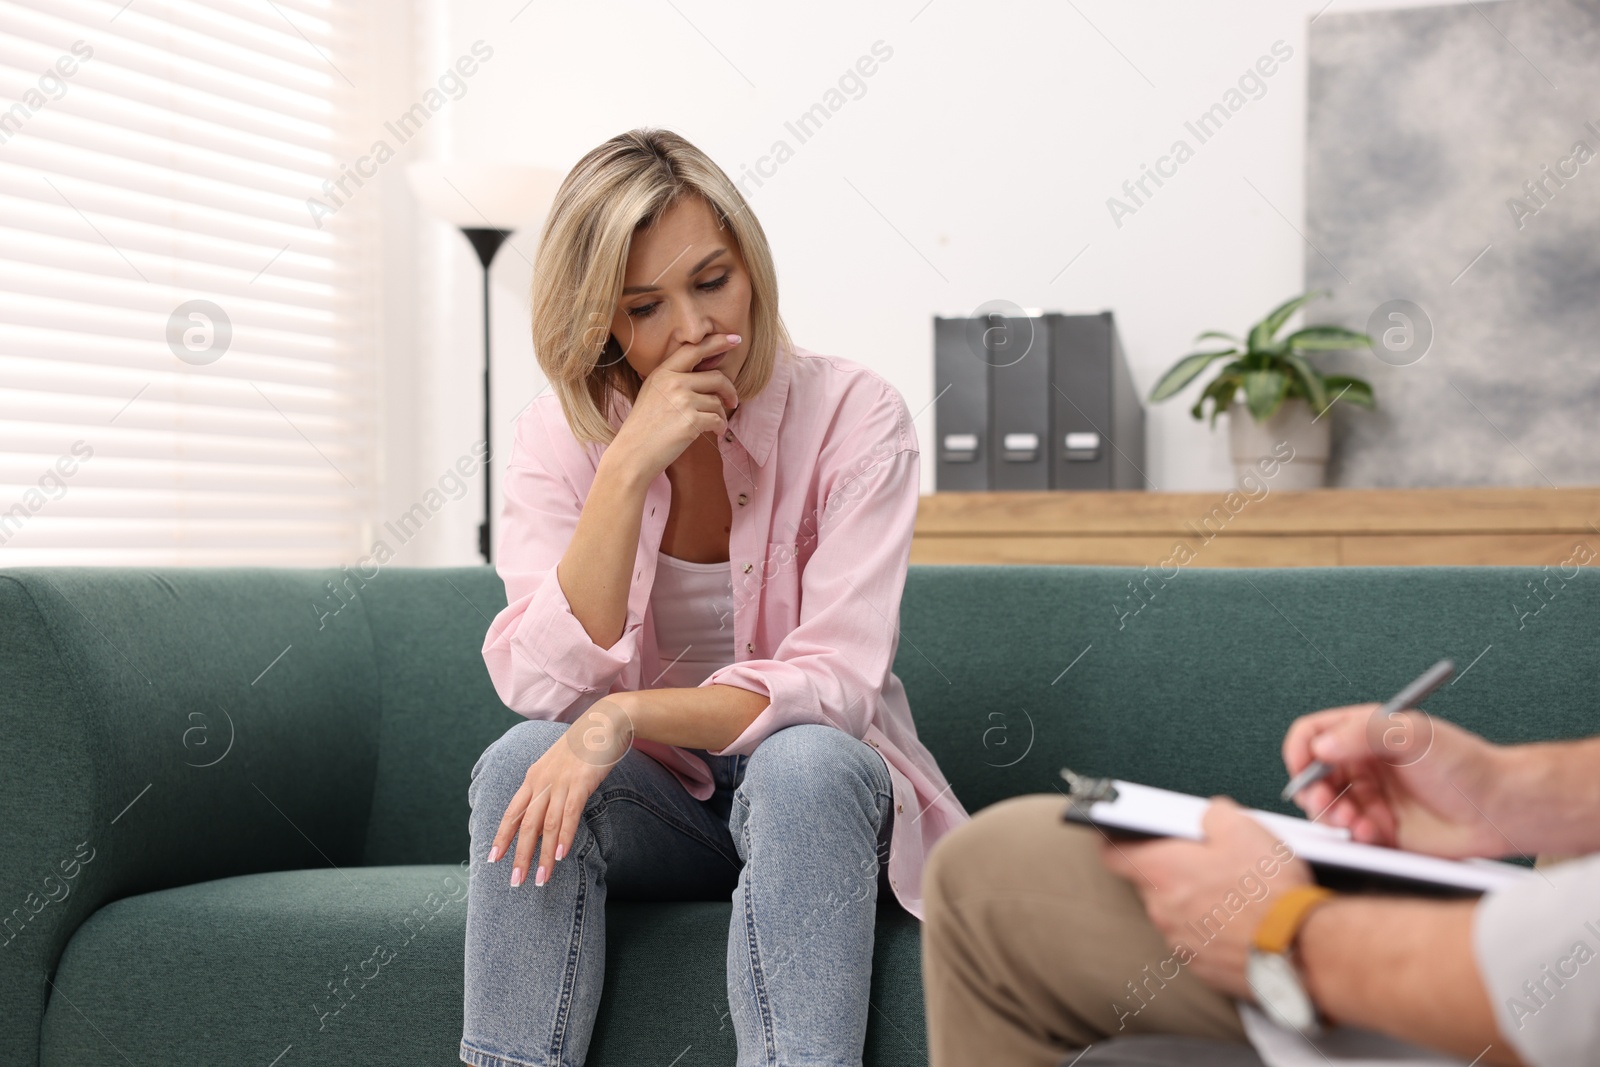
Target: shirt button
(748,647)
(748,567)
(899,807)
(743,498)
(728,436)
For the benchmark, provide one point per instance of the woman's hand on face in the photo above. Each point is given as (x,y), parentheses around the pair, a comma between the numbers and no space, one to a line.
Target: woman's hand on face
(677,403)
(558,786)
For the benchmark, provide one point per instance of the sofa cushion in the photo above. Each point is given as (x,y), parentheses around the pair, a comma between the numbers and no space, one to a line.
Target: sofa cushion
(365,965)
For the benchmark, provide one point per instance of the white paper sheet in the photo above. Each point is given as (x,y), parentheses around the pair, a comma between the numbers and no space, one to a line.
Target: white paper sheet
(1146,809)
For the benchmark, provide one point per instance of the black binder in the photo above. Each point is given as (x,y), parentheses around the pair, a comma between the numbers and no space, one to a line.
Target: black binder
(1034,400)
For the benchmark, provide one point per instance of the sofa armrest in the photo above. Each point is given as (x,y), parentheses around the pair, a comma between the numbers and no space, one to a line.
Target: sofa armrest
(166,727)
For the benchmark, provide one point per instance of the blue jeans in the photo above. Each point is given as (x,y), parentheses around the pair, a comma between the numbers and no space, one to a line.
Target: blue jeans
(796,835)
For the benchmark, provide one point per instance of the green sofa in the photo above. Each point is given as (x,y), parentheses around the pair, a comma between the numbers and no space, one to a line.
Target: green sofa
(233,804)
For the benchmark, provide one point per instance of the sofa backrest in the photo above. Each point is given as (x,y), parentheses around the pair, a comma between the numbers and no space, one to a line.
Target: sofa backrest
(355,707)
(1188,679)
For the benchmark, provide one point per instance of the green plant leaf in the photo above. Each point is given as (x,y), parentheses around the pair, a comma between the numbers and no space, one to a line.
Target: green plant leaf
(1310,379)
(1263,392)
(1220,392)
(1281,313)
(1326,339)
(1218,385)
(1220,336)
(1185,371)
(1258,360)
(1261,333)
(1355,390)
(1222,399)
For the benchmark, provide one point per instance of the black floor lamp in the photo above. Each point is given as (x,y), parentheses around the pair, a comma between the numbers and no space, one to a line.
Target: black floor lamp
(487,202)
(486,242)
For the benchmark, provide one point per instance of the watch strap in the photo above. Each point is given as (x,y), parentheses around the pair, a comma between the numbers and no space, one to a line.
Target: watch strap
(1277,929)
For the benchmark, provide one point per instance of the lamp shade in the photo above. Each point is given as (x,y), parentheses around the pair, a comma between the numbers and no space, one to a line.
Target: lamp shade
(500,196)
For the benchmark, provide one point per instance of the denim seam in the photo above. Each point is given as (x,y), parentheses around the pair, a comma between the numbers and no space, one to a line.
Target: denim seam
(757,977)
(470,1053)
(665,816)
(569,978)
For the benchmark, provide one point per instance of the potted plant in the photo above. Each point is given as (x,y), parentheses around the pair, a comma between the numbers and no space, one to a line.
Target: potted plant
(1272,379)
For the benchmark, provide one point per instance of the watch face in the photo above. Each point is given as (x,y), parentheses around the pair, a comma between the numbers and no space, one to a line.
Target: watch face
(1278,990)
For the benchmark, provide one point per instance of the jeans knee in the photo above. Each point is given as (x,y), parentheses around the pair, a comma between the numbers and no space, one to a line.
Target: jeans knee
(815,764)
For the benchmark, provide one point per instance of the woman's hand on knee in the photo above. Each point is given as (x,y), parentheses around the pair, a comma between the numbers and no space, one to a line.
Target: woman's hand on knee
(558,786)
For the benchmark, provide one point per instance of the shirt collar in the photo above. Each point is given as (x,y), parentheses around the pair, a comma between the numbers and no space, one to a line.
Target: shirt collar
(755,421)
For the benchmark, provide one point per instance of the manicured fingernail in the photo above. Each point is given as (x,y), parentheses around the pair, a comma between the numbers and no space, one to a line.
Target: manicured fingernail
(538,877)
(494,853)
(516,876)
(733,338)
(561,850)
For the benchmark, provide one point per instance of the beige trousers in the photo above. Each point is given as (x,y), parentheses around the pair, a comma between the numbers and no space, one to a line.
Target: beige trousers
(1031,949)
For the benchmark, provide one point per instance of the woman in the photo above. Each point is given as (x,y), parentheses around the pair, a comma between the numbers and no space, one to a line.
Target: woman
(704,544)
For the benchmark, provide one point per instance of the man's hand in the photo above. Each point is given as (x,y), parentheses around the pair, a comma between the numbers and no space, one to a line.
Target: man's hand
(558,786)
(1406,781)
(1206,897)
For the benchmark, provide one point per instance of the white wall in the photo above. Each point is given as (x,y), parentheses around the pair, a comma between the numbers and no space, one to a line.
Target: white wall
(975,165)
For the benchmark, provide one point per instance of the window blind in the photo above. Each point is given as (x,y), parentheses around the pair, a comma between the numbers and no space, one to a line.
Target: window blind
(185,345)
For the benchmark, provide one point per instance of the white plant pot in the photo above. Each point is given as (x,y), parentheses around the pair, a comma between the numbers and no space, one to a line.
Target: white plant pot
(1287,451)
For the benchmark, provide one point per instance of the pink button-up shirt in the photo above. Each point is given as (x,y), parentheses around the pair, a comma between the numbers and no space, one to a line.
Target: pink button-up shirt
(823,472)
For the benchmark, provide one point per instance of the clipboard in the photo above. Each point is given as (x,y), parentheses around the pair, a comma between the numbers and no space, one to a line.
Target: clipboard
(1127,809)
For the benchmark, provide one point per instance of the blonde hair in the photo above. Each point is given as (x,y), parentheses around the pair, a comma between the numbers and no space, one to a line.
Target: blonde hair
(615,190)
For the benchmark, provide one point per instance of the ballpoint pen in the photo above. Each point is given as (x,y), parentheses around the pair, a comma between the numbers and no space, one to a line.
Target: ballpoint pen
(1408,697)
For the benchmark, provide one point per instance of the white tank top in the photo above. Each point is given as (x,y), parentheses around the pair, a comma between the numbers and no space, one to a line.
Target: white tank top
(692,606)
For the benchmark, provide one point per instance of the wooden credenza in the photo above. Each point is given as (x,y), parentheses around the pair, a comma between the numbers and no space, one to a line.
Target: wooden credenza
(1283,528)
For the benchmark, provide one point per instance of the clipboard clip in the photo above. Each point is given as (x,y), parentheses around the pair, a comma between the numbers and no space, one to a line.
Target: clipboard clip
(1085,791)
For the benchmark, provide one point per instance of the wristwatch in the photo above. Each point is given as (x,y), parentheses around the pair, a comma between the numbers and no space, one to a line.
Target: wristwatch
(1271,969)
